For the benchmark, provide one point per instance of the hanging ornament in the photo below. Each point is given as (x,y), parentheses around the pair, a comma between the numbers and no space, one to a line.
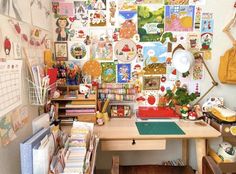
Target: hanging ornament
(7,46)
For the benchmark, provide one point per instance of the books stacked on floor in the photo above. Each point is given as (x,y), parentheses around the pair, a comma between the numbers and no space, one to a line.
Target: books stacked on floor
(81,148)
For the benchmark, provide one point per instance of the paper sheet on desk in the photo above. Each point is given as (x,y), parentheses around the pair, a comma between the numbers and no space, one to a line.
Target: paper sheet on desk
(159,128)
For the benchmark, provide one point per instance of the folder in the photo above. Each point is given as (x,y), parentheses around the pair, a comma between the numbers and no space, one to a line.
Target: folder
(26,150)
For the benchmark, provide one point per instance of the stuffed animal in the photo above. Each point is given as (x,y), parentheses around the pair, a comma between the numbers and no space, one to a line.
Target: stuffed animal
(73,74)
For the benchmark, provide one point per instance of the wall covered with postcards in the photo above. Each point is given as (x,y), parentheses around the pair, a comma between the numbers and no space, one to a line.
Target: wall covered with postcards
(133,41)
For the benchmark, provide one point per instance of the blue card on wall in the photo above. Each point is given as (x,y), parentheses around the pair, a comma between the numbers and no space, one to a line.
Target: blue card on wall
(123,73)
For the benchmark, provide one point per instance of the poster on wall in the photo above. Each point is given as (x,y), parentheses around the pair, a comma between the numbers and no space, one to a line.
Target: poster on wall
(81,18)
(40,11)
(108,72)
(97,18)
(150,22)
(179,18)
(123,73)
(17,9)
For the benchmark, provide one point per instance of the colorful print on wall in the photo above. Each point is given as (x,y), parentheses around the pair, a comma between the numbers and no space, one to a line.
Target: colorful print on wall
(198,70)
(61,53)
(97,18)
(79,34)
(101,44)
(123,73)
(77,51)
(66,9)
(97,5)
(197,2)
(108,72)
(125,50)
(127,22)
(149,1)
(154,53)
(112,12)
(81,17)
(6,131)
(151,82)
(198,16)
(179,18)
(150,22)
(207,23)
(194,41)
(62,29)
(129,5)
(176,2)
(206,41)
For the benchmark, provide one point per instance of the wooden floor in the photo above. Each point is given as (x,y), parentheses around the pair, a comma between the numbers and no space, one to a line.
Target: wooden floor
(150,169)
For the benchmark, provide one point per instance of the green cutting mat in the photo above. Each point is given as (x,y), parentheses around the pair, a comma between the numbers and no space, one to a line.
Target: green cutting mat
(159,128)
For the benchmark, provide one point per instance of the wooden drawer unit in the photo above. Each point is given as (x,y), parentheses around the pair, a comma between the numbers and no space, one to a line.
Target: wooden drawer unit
(123,145)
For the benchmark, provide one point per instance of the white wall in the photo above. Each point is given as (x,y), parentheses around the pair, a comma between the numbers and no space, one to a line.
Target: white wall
(223,12)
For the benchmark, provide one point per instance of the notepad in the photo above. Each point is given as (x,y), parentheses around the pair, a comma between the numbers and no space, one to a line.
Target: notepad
(159,128)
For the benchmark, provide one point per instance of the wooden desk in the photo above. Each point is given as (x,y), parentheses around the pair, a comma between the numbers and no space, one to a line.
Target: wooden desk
(122,134)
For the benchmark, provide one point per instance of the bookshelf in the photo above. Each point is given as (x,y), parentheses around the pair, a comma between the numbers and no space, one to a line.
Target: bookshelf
(72,105)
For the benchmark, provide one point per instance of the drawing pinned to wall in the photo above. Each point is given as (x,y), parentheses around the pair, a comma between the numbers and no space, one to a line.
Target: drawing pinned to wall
(40,11)
(77,51)
(154,53)
(6,131)
(127,22)
(17,9)
(176,2)
(125,50)
(112,6)
(101,44)
(123,73)
(108,72)
(198,16)
(81,18)
(150,22)
(179,18)
(62,29)
(129,5)
(97,18)
(66,9)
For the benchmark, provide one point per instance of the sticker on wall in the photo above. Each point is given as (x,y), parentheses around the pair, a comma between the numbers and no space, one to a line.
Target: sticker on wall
(151,82)
(194,43)
(108,72)
(66,9)
(112,12)
(123,73)
(101,44)
(150,22)
(136,71)
(176,2)
(154,53)
(140,56)
(81,14)
(172,73)
(179,18)
(198,16)
(127,22)
(62,29)
(17,50)
(97,18)
(77,51)
(125,50)
(129,5)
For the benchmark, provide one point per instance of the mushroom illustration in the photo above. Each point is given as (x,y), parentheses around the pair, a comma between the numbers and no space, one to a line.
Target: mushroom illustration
(80,34)
(140,99)
(126,50)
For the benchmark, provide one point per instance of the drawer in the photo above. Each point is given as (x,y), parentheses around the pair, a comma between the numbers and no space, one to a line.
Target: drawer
(123,145)
(87,118)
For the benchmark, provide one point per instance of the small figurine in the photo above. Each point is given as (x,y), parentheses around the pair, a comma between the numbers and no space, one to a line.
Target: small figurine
(192,115)
(184,112)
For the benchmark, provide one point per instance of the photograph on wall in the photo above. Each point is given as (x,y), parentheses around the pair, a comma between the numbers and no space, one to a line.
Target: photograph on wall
(81,17)
(127,23)
(128,5)
(154,53)
(17,9)
(108,72)
(123,73)
(151,82)
(179,18)
(97,18)
(77,51)
(150,22)
(61,53)
(125,50)
(41,13)
(176,2)
(101,44)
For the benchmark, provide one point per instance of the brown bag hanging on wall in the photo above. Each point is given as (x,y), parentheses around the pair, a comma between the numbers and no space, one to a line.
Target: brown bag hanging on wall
(227,67)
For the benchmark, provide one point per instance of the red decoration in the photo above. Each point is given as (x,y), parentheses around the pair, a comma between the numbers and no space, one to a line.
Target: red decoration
(7,46)
(151,99)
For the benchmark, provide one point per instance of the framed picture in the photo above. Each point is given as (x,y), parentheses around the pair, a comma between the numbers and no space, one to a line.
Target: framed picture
(61,53)
(151,82)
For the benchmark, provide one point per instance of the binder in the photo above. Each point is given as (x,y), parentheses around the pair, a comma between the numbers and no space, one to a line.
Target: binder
(26,150)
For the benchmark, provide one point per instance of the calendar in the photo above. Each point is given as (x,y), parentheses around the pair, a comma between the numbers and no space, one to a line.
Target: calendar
(10,85)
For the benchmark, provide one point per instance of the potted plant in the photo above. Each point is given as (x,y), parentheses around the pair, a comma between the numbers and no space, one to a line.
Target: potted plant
(179,98)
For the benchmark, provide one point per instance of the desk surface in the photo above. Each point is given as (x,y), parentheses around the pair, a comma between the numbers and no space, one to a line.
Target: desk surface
(125,128)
